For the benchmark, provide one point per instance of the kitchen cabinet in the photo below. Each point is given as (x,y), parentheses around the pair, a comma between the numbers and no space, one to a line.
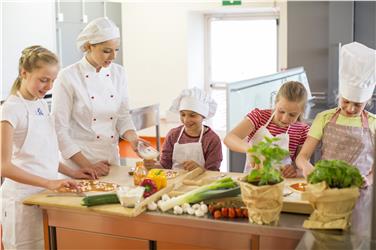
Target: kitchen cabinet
(76,239)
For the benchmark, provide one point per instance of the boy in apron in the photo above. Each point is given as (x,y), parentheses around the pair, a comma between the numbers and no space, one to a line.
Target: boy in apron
(192,144)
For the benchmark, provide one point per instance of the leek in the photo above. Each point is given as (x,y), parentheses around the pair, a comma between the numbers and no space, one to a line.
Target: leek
(220,188)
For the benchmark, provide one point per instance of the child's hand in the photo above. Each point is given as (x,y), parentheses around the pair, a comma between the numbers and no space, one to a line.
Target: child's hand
(57,184)
(366,181)
(307,169)
(190,165)
(289,171)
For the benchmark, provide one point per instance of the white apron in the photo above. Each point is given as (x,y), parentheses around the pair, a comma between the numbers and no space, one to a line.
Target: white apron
(188,151)
(259,135)
(23,225)
(105,103)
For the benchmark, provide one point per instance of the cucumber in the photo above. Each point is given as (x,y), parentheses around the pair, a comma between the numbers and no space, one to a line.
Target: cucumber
(101,199)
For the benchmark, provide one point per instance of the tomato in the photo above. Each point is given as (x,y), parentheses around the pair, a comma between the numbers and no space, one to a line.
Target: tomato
(217,214)
(231,212)
(239,212)
(224,212)
(245,212)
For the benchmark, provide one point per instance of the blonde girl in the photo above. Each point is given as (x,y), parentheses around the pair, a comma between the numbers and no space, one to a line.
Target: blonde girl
(29,152)
(346,132)
(283,122)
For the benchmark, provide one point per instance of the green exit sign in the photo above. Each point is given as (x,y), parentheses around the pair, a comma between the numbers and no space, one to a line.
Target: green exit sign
(231,2)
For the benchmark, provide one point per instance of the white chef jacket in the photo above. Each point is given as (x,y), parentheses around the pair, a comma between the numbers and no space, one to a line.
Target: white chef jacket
(72,106)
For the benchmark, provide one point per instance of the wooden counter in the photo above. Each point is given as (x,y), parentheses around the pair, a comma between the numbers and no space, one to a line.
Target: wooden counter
(68,225)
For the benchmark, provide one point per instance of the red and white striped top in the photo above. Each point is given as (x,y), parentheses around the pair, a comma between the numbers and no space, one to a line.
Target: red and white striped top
(297,132)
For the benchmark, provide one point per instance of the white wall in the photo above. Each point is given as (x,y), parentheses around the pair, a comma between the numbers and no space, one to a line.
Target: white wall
(24,24)
(164,47)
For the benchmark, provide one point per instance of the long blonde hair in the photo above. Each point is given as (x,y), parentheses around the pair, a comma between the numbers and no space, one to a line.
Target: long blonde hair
(30,59)
(293,91)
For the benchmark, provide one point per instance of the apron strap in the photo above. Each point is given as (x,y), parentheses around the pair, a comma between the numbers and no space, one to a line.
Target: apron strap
(363,118)
(201,133)
(181,132)
(271,118)
(335,116)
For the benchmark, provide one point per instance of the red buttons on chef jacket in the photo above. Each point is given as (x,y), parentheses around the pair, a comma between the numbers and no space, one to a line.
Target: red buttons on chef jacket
(87,76)
(111,118)
(97,136)
(92,97)
(112,136)
(94,119)
(111,96)
(108,75)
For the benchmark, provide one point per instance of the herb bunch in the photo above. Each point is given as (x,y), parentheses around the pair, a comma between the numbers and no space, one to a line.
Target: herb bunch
(266,154)
(336,173)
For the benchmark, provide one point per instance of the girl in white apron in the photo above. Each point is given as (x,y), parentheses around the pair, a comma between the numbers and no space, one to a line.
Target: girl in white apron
(29,150)
(193,144)
(283,123)
(90,102)
(347,132)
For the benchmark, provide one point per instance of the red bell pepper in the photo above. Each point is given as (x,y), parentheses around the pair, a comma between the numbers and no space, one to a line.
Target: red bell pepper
(150,187)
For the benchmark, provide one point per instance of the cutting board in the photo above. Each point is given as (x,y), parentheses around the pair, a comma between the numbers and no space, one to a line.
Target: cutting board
(118,175)
(292,201)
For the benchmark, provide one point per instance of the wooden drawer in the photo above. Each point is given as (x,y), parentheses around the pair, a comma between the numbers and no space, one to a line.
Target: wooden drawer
(74,239)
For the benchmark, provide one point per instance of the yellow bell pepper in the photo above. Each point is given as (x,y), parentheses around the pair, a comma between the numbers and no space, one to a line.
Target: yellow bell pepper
(159,177)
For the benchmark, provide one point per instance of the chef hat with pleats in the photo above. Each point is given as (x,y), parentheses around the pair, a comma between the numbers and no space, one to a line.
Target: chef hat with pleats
(357,72)
(99,30)
(196,100)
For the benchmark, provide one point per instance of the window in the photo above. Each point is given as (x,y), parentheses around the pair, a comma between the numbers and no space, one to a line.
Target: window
(238,47)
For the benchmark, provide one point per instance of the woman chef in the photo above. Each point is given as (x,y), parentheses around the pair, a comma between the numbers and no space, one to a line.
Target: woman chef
(90,102)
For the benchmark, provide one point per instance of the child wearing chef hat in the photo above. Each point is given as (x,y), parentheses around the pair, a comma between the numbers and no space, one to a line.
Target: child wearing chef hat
(192,144)
(346,132)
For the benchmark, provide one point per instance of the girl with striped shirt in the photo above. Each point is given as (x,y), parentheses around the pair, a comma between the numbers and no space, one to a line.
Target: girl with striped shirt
(283,122)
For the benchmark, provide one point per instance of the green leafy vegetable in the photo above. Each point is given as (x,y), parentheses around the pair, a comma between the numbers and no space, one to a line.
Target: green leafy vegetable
(336,173)
(266,154)
(224,187)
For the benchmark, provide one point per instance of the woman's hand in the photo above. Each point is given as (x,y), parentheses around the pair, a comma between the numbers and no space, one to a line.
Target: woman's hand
(289,171)
(190,165)
(85,173)
(101,168)
(149,164)
(57,184)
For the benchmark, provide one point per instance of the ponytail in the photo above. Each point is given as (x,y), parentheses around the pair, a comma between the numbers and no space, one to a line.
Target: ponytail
(16,85)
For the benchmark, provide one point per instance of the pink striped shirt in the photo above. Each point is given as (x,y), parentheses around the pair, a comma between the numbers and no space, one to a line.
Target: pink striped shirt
(297,132)
(211,147)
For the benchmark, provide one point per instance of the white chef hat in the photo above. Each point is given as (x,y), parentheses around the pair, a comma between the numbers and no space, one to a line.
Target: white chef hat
(357,72)
(99,30)
(196,100)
